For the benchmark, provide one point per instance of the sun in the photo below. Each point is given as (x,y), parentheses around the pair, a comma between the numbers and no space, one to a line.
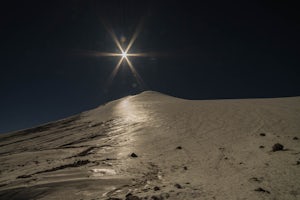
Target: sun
(124,54)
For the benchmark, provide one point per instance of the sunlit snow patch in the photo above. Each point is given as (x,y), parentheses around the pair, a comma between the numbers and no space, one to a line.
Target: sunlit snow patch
(103,172)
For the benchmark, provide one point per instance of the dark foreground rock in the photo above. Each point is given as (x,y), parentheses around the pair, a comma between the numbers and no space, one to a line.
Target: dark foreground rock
(277,147)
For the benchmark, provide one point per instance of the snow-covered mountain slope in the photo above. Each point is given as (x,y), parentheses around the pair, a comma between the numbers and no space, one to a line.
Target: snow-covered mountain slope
(159,147)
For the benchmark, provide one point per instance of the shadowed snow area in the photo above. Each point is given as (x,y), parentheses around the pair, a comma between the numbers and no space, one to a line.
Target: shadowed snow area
(153,146)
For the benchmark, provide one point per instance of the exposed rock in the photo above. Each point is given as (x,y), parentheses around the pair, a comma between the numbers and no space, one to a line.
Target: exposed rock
(113,198)
(156,188)
(261,190)
(154,197)
(127,195)
(132,197)
(255,179)
(145,189)
(133,155)
(277,147)
(85,152)
(24,176)
(178,186)
(75,164)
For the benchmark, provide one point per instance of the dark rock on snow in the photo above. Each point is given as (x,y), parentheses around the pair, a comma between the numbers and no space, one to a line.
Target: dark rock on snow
(261,190)
(277,147)
(133,155)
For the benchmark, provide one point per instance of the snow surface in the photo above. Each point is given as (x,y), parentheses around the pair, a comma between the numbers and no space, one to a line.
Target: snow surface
(186,149)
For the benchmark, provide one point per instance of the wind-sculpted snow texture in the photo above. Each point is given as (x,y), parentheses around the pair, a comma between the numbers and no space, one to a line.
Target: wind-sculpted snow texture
(153,146)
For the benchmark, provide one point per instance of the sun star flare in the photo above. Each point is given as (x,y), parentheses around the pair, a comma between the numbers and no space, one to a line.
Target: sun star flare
(123,53)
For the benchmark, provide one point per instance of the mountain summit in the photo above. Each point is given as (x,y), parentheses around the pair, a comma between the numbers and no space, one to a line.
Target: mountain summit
(154,146)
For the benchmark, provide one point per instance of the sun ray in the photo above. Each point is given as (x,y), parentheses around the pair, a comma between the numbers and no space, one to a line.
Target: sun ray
(103,54)
(137,54)
(147,54)
(116,41)
(134,72)
(135,35)
(113,35)
(115,71)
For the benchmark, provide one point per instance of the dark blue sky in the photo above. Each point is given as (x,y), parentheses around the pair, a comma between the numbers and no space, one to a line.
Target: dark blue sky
(216,49)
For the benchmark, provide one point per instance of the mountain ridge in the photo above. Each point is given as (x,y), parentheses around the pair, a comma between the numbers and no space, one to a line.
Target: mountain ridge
(153,144)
